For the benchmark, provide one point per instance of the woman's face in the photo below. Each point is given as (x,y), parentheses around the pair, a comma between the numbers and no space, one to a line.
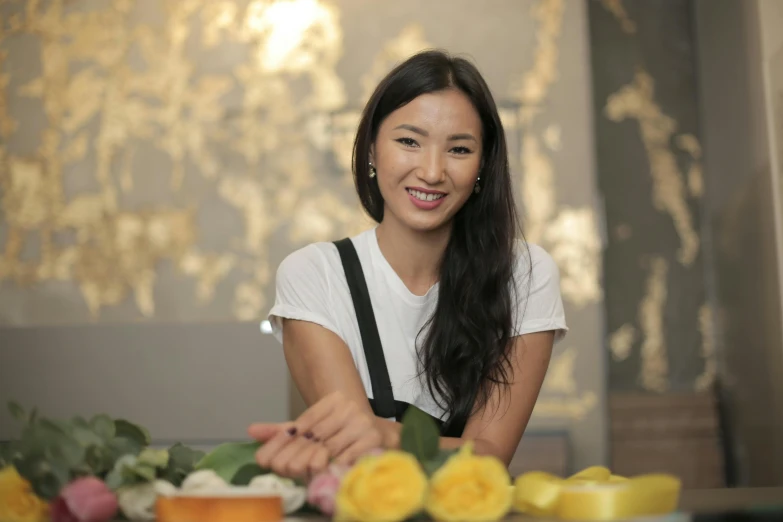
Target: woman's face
(427,155)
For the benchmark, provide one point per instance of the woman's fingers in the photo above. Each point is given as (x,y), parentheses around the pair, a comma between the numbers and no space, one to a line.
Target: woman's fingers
(350,433)
(352,453)
(355,446)
(273,446)
(294,456)
(263,432)
(319,460)
(331,425)
(305,460)
(333,405)
(334,427)
(293,459)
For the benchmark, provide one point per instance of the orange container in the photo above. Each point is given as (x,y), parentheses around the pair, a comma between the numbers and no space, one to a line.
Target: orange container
(219,508)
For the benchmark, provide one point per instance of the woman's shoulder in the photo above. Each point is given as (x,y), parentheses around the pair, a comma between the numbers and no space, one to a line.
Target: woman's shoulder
(308,253)
(311,259)
(538,295)
(320,258)
(533,260)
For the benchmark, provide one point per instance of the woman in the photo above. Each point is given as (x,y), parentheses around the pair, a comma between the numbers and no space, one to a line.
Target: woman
(440,305)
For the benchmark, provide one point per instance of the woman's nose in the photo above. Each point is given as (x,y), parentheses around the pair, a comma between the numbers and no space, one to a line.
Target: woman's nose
(433,169)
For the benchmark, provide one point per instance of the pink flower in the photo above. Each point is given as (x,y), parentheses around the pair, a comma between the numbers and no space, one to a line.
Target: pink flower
(323,488)
(86,499)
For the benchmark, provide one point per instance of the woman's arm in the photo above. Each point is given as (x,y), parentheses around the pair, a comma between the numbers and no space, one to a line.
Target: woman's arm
(498,427)
(340,414)
(321,364)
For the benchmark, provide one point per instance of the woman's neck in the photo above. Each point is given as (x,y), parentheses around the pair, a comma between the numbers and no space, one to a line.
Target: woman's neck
(414,256)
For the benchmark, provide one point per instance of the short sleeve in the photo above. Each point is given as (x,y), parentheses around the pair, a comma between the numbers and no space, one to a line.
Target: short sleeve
(539,302)
(302,291)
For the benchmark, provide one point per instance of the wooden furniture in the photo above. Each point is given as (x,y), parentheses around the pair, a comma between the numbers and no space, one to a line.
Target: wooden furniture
(672,433)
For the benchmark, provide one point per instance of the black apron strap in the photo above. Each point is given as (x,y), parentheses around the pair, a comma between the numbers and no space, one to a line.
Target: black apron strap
(383,403)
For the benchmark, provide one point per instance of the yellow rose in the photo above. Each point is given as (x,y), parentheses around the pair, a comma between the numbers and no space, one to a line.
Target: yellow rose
(18,503)
(470,488)
(389,487)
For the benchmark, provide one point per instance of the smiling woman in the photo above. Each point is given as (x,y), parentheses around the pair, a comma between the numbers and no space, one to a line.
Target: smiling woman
(442,305)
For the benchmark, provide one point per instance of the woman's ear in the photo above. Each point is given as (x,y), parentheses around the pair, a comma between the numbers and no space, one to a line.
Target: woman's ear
(372,153)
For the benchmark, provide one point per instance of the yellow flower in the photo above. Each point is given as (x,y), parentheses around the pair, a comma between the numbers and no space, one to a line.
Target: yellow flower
(18,503)
(389,487)
(470,488)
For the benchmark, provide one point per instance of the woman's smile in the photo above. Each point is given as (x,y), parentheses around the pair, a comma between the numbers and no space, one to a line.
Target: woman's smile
(425,199)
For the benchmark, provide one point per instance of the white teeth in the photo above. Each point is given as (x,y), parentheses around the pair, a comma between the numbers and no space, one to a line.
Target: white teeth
(424,197)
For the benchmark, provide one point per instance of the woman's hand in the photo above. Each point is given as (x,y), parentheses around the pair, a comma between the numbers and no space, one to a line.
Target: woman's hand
(345,428)
(286,454)
(335,428)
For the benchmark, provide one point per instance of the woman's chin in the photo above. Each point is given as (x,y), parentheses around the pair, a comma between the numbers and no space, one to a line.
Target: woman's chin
(427,225)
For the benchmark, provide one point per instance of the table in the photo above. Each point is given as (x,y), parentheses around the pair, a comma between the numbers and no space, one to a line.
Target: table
(691,501)
(724,499)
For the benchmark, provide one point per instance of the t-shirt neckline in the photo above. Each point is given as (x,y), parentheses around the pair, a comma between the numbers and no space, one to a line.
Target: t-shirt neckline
(394,280)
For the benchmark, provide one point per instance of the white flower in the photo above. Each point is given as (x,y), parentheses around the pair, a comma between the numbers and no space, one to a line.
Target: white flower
(204,480)
(293,496)
(137,502)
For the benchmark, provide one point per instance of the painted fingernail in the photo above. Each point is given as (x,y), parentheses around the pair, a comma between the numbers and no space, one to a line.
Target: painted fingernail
(291,431)
(308,435)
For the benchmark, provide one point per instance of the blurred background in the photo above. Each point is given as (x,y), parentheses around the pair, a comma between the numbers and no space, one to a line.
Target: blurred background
(159,158)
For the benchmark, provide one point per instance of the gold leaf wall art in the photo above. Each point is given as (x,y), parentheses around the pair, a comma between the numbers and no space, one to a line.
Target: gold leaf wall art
(637,101)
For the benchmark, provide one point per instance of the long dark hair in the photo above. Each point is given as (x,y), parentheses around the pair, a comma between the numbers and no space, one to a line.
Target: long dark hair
(466,349)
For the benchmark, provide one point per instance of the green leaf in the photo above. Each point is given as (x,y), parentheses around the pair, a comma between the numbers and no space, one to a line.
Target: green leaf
(183,456)
(140,435)
(420,435)
(121,446)
(48,486)
(6,453)
(66,450)
(53,426)
(432,465)
(17,412)
(103,426)
(246,473)
(154,457)
(144,471)
(227,459)
(99,459)
(182,461)
(82,431)
(86,438)
(46,477)
(79,422)
(116,477)
(26,464)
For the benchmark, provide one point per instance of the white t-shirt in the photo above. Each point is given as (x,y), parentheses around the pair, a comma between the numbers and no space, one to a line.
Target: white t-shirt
(311,286)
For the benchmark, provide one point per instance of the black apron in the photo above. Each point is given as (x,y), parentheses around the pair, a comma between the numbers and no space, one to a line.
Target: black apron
(383,402)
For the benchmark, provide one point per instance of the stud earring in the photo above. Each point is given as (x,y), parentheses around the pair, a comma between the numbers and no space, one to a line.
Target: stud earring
(373,172)
(477,187)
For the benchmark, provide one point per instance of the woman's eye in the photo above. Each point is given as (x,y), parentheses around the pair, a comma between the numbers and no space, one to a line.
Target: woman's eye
(408,142)
(460,150)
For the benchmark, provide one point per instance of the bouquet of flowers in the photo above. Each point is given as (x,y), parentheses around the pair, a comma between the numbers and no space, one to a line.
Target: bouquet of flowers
(99,469)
